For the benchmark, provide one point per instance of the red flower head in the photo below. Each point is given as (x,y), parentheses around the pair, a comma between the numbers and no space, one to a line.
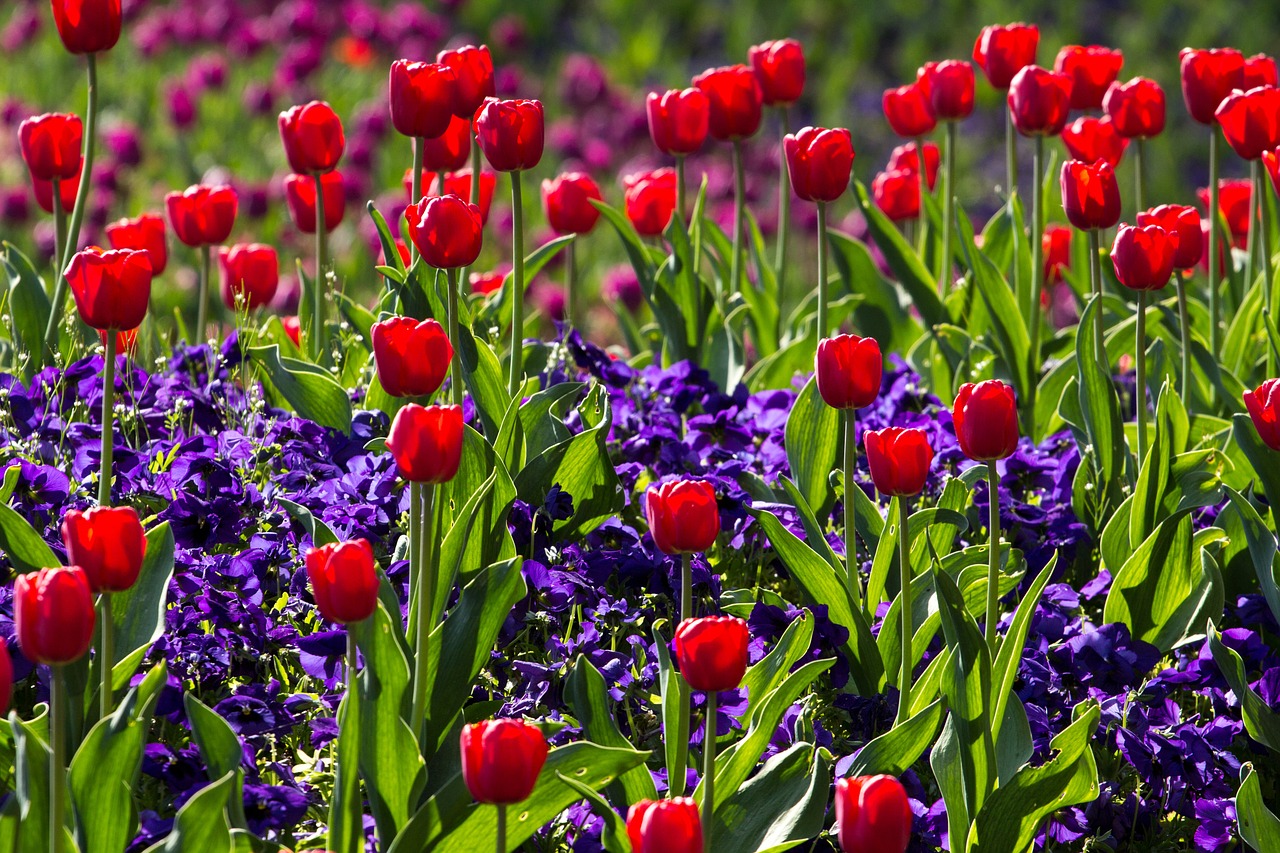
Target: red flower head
(412,356)
(1259,70)
(1001,52)
(650,200)
(678,120)
(300,198)
(819,162)
(293,328)
(1092,71)
(50,145)
(909,110)
(779,69)
(735,102)
(111,289)
(1184,221)
(1233,203)
(67,190)
(1264,408)
(459,184)
(344,580)
(1056,245)
(1092,139)
(250,274)
(53,612)
(473,77)
(1251,121)
(904,158)
(87,26)
(872,815)
(897,193)
(1208,76)
(683,516)
(712,652)
(446,230)
(422,97)
(1143,256)
(144,234)
(1136,108)
(1090,194)
(899,460)
(484,283)
(108,543)
(426,442)
(202,215)
(986,420)
(949,86)
(448,151)
(313,137)
(848,369)
(501,760)
(567,201)
(1039,101)
(665,826)
(510,133)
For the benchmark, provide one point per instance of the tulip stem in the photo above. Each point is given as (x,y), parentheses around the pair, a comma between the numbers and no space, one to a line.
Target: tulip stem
(904,572)
(1184,318)
(993,546)
(1215,305)
(517,285)
(570,283)
(922,235)
(948,207)
(709,769)
(850,507)
(77,212)
(784,201)
(59,226)
(322,238)
(106,651)
(455,363)
(1140,183)
(426,596)
(823,331)
(202,294)
(1015,224)
(1037,275)
(686,586)
(1095,279)
(1251,243)
(108,418)
(1264,233)
(502,828)
(739,206)
(680,198)
(57,753)
(415,186)
(415,567)
(1140,392)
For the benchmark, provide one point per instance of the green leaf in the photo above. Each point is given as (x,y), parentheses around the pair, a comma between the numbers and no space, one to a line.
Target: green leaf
(201,824)
(1010,331)
(812,442)
(26,550)
(1259,828)
(613,836)
(919,283)
(766,675)
(675,722)
(584,691)
(30,740)
(1260,721)
(1262,549)
(896,750)
(138,613)
(321,534)
(309,389)
(1102,429)
(781,806)
(346,809)
(490,541)
(221,750)
(28,308)
(484,379)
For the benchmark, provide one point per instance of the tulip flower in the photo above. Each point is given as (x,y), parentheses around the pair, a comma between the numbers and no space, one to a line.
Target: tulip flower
(473,77)
(1090,139)
(1258,70)
(1001,52)
(650,200)
(313,137)
(293,328)
(202,216)
(683,518)
(1057,252)
(1184,221)
(344,581)
(907,158)
(300,198)
(1263,404)
(872,815)
(779,70)
(678,124)
(422,98)
(950,86)
(446,230)
(897,193)
(1137,112)
(909,111)
(484,283)
(501,761)
(412,356)
(146,233)
(87,26)
(460,184)
(6,680)
(1092,71)
(250,274)
(1091,199)
(108,543)
(567,201)
(50,146)
(819,162)
(1235,198)
(665,826)
(448,152)
(65,196)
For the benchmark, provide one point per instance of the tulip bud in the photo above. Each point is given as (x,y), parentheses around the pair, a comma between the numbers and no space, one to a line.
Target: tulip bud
(293,328)
(111,289)
(1001,52)
(87,26)
(202,215)
(446,230)
(426,442)
(50,145)
(712,652)
(1136,108)
(300,198)
(650,200)
(144,234)
(905,158)
(422,97)
(312,136)
(899,460)
(1092,71)
(1183,221)
(1090,195)
(678,120)
(779,69)
(819,162)
(909,111)
(683,516)
(1056,246)
(734,100)
(665,826)
(1143,256)
(510,133)
(412,357)
(53,612)
(473,77)
(1039,101)
(848,370)
(1208,76)
(567,201)
(1264,408)
(250,274)
(897,193)
(872,815)
(949,86)
(108,543)
(1091,139)
(344,581)
(501,760)
(985,417)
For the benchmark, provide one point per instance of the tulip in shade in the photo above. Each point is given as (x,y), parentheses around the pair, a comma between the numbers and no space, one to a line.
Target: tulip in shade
(412,357)
(1136,108)
(650,200)
(872,815)
(1143,256)
(250,274)
(986,420)
(50,145)
(1057,252)
(779,69)
(909,111)
(344,580)
(473,77)
(448,152)
(683,516)
(848,371)
(501,760)
(1001,52)
(819,162)
(108,543)
(899,460)
(144,234)
(111,288)
(1090,194)
(54,616)
(897,193)
(949,86)
(1251,121)
(66,193)
(422,97)
(1234,199)
(485,283)
(1259,70)
(1263,404)
(1092,71)
(906,158)
(202,215)
(300,198)
(313,137)
(1208,76)
(678,120)
(1184,221)
(712,652)
(665,826)
(87,26)
(735,101)
(1039,101)
(446,230)
(426,442)
(510,133)
(567,202)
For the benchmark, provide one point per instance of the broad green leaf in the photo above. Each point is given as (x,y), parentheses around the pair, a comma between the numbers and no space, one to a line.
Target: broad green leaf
(1258,826)
(1262,549)
(766,675)
(26,550)
(812,442)
(28,308)
(201,825)
(346,807)
(309,389)
(584,691)
(221,750)
(1260,721)
(915,278)
(138,613)
(780,807)
(896,750)
(675,719)
(321,534)
(490,541)
(613,835)
(484,378)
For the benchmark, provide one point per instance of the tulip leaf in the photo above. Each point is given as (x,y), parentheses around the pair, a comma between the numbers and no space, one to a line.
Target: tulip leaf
(221,750)
(490,541)
(484,379)
(201,825)
(321,534)
(675,717)
(1009,330)
(19,541)
(585,694)
(896,750)
(781,806)
(28,308)
(812,441)
(138,612)
(1262,723)
(770,671)
(498,307)
(30,740)
(881,306)
(308,388)
(915,278)
(346,809)
(1258,826)
(1262,549)
(1264,460)
(613,835)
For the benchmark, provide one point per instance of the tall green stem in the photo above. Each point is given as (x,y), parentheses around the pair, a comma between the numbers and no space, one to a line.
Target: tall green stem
(59,227)
(1184,319)
(322,262)
(784,201)
(739,214)
(686,586)
(709,770)
(517,286)
(108,418)
(570,284)
(502,828)
(1037,272)
(850,507)
(1139,175)
(415,563)
(1016,226)
(680,197)
(1260,192)
(1010,154)
(455,363)
(993,565)
(77,212)
(904,574)
(1140,393)
(106,653)
(1215,304)
(415,186)
(922,220)
(57,757)
(426,594)
(1095,280)
(1251,243)
(202,293)
(948,206)
(823,328)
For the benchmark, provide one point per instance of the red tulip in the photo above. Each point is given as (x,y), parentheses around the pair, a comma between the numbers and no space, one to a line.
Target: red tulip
(712,652)
(501,760)
(1090,194)
(250,274)
(87,26)
(6,680)
(50,145)
(1234,197)
(412,356)
(779,69)
(66,193)
(446,230)
(650,200)
(510,133)
(111,289)
(145,234)
(1258,70)
(909,111)
(300,198)
(683,516)
(1136,108)
(448,151)
(459,184)
(665,826)
(567,201)
(678,120)
(873,815)
(897,193)
(426,442)
(1092,71)
(422,97)
(126,342)
(202,215)
(1208,76)
(734,100)
(1001,52)
(1251,121)
(1091,139)
(1056,244)
(819,162)
(53,612)
(1264,408)
(108,543)
(986,420)
(485,283)
(848,370)
(1184,221)
(899,460)
(401,249)
(344,581)
(1039,101)
(293,328)
(949,87)
(1143,256)
(312,136)
(473,77)
(904,157)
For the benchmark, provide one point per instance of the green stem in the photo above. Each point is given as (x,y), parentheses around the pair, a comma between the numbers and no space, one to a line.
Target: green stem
(322,259)
(1095,279)
(948,206)
(202,294)
(904,571)
(784,201)
(739,209)
(108,418)
(77,212)
(686,586)
(850,511)
(57,756)
(922,234)
(441,178)
(106,652)
(1215,305)
(709,770)
(455,363)
(1252,240)
(517,286)
(1037,272)
(59,227)
(1139,178)
(426,595)
(1260,191)
(570,284)
(415,186)
(474,197)
(415,568)
(823,329)
(1140,392)
(1015,225)
(680,197)
(993,565)
(1184,318)
(502,828)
